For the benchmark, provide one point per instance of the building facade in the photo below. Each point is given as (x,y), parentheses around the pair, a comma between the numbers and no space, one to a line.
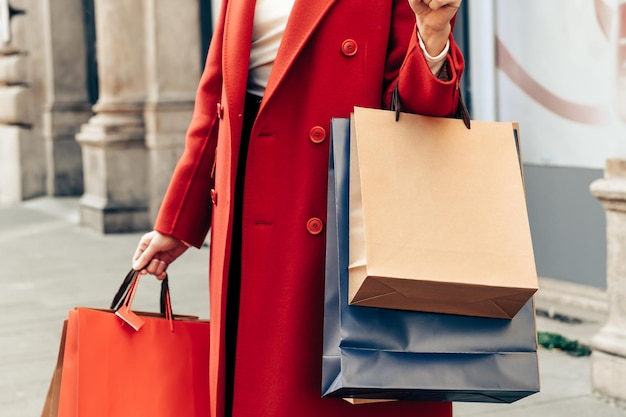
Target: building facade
(95,98)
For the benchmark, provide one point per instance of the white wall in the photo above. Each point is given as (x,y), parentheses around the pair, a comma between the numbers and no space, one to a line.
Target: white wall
(557,75)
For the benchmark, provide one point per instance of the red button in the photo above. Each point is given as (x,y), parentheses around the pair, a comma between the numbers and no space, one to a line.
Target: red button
(213,196)
(349,47)
(317,134)
(314,226)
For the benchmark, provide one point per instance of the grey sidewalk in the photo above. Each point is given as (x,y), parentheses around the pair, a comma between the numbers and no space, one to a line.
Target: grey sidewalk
(49,265)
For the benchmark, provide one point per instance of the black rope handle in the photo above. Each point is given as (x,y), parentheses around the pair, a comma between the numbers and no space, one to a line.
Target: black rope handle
(165,305)
(119,297)
(462,112)
(395,101)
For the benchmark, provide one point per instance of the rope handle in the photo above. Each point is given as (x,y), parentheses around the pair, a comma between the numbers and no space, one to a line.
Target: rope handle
(123,300)
(461,110)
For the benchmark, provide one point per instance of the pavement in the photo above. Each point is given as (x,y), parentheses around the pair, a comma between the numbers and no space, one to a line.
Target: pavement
(50,264)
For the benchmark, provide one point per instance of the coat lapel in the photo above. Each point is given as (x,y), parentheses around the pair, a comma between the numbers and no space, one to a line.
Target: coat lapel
(237,39)
(304,18)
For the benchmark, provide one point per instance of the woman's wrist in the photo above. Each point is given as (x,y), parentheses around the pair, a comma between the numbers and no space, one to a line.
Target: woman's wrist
(434,62)
(433,41)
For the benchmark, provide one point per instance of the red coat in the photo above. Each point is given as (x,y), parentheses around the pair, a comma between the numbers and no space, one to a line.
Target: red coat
(336,54)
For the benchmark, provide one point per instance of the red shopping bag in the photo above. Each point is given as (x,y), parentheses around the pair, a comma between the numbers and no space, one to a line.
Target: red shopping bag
(119,362)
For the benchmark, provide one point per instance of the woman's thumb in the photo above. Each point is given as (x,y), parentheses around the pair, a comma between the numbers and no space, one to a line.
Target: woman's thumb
(144,256)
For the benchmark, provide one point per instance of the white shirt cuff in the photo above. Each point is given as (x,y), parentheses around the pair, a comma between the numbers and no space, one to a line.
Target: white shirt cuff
(434,62)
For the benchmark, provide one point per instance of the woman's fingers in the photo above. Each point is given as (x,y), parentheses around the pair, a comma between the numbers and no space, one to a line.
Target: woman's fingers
(438,4)
(155,252)
(157,267)
(145,251)
(141,247)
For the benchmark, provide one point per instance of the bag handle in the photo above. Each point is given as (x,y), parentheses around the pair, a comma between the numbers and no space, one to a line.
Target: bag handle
(121,292)
(123,300)
(461,109)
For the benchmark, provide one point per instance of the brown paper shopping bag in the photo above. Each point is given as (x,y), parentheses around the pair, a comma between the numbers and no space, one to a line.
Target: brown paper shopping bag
(51,403)
(438,218)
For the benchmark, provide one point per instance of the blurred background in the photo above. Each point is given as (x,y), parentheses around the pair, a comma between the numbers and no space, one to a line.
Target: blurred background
(96,95)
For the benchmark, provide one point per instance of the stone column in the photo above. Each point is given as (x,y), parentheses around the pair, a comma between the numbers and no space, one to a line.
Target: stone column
(172,75)
(112,142)
(22,166)
(67,105)
(608,359)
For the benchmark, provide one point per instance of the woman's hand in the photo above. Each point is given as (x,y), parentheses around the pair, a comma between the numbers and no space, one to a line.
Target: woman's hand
(433,22)
(156,252)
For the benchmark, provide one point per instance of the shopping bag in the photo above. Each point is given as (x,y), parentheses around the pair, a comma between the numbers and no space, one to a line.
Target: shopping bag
(378,353)
(119,362)
(438,216)
(51,403)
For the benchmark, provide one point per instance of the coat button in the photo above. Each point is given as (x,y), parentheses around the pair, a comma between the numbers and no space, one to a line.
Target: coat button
(220,110)
(213,196)
(314,226)
(349,47)
(317,134)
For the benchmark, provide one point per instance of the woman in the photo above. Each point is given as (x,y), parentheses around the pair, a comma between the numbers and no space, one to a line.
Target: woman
(254,172)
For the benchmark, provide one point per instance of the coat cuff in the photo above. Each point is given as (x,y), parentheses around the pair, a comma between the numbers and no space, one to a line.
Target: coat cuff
(434,62)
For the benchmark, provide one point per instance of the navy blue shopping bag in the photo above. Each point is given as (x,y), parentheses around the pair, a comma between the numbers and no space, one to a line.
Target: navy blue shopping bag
(373,353)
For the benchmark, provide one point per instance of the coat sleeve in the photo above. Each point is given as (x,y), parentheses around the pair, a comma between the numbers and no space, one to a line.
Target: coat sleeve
(185,212)
(420,91)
